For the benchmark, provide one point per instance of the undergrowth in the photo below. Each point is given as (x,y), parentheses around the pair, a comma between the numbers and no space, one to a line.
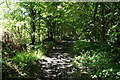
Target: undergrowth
(96,60)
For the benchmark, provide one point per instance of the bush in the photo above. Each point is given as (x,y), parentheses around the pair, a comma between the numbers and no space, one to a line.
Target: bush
(99,61)
(26,59)
(99,65)
(82,46)
(22,62)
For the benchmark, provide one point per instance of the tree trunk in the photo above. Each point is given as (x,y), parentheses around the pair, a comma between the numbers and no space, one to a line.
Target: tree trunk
(103,25)
(94,20)
(32,16)
(39,27)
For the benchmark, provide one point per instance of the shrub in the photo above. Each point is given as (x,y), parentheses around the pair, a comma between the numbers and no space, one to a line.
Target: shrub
(98,65)
(25,59)
(99,61)
(21,63)
(82,46)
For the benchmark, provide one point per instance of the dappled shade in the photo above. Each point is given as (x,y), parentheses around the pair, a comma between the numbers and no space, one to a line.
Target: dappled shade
(60,41)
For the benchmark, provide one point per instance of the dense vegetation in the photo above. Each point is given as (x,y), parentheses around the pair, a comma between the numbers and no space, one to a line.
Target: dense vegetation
(89,32)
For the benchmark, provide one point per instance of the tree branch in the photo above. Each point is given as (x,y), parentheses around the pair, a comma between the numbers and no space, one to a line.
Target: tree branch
(7,5)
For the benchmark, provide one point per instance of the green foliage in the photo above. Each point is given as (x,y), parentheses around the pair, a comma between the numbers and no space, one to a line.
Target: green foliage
(99,61)
(26,59)
(82,46)
(21,62)
(32,22)
(99,65)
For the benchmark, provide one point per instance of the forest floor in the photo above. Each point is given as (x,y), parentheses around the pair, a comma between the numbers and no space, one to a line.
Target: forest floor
(57,65)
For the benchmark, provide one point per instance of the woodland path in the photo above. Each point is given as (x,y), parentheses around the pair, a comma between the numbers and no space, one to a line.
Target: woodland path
(57,65)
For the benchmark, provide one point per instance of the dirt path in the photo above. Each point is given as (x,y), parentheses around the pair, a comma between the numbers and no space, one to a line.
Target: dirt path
(57,65)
